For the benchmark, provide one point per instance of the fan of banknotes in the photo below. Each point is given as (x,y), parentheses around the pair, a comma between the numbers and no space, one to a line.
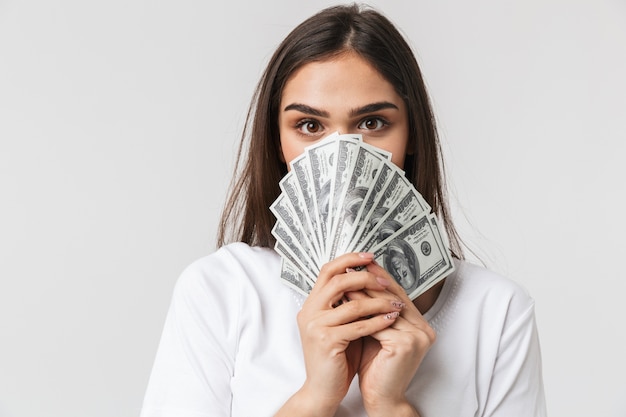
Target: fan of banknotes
(344,195)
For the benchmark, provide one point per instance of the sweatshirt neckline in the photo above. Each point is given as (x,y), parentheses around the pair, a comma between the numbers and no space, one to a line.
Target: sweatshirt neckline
(445,294)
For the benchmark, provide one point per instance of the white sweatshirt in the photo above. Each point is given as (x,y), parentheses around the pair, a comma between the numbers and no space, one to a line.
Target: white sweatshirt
(231,346)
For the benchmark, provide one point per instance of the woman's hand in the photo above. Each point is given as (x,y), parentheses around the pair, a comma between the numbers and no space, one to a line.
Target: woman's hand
(332,335)
(390,357)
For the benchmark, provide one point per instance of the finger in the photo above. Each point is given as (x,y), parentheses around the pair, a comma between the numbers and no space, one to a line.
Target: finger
(361,309)
(340,264)
(373,293)
(393,286)
(385,281)
(416,319)
(360,328)
(381,294)
(411,312)
(333,291)
(368,293)
(403,332)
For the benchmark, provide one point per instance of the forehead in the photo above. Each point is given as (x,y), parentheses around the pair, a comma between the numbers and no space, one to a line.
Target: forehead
(348,75)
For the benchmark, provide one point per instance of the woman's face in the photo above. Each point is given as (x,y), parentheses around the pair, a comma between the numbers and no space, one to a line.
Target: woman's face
(343,94)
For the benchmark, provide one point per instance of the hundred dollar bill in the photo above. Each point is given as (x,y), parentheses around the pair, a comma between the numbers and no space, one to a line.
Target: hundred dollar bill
(322,158)
(291,276)
(383,153)
(411,206)
(438,235)
(413,256)
(380,180)
(450,261)
(287,246)
(366,165)
(346,155)
(301,168)
(286,213)
(396,187)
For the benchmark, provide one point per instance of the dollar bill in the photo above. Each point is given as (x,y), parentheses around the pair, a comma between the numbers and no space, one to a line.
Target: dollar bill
(294,216)
(343,195)
(361,179)
(383,153)
(411,206)
(291,276)
(290,248)
(381,178)
(413,256)
(322,160)
(435,279)
(346,155)
(301,170)
(396,187)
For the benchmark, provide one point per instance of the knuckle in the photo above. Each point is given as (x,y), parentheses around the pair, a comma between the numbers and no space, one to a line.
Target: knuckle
(334,285)
(324,270)
(431,334)
(405,349)
(353,307)
(424,337)
(360,327)
(322,335)
(305,322)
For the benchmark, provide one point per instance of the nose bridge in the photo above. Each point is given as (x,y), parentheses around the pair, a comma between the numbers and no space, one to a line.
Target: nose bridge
(342,127)
(340,118)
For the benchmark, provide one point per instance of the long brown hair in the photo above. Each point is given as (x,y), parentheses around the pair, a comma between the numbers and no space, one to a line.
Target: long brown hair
(335,30)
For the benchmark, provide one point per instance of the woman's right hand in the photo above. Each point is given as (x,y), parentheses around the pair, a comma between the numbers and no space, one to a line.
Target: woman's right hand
(331,335)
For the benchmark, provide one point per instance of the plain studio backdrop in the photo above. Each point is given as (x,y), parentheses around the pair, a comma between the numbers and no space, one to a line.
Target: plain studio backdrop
(118,128)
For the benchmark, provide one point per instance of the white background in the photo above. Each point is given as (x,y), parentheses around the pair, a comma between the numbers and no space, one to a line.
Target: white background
(118,126)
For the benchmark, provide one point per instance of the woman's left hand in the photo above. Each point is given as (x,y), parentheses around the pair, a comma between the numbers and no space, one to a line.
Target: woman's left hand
(390,358)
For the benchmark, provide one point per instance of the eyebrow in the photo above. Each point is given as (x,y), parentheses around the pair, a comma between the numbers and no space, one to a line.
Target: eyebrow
(373,107)
(303,108)
(368,108)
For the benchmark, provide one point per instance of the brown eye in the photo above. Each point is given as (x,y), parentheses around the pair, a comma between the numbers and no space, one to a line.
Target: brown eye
(312,127)
(373,123)
(309,127)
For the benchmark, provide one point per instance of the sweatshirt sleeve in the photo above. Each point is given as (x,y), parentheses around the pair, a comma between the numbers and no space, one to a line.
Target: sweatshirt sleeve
(516,387)
(194,364)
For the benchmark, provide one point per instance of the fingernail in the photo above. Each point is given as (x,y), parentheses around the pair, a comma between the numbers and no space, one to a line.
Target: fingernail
(366,255)
(392,316)
(398,304)
(383,281)
(350,270)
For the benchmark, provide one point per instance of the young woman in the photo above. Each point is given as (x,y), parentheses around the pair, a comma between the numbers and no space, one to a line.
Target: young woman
(237,342)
